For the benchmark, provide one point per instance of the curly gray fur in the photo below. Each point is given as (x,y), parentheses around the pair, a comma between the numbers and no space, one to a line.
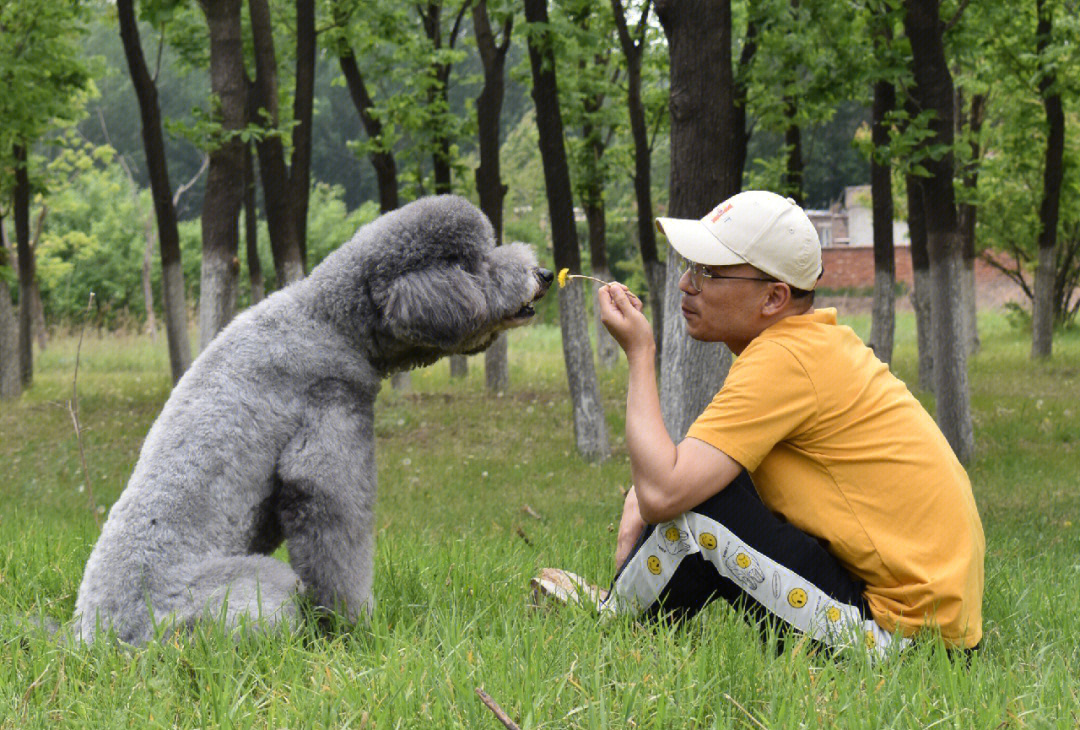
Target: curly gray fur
(268,437)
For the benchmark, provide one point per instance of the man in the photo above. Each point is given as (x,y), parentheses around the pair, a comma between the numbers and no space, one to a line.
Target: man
(814,489)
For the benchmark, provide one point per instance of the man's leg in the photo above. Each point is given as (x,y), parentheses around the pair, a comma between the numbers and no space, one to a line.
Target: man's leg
(733,547)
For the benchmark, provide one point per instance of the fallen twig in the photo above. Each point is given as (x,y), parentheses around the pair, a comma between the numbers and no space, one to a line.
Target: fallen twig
(752,718)
(494,707)
(531,512)
(73,409)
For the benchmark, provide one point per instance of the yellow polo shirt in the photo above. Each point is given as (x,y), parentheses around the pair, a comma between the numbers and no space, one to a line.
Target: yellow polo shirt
(838,446)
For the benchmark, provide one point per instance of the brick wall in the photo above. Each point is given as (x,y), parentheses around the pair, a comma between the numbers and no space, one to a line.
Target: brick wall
(853,268)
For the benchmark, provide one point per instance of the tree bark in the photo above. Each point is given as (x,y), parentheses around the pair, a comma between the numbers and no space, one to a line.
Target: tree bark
(705,136)
(281,210)
(303,112)
(883,321)
(251,230)
(934,90)
(607,350)
(172,272)
(489,185)
(967,213)
(920,293)
(10,384)
(224,180)
(25,258)
(1042,324)
(590,429)
(633,49)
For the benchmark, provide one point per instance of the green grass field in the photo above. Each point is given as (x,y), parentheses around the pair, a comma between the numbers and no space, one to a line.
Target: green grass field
(456,549)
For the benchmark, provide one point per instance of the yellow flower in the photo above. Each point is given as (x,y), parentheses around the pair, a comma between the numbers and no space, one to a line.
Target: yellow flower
(562,277)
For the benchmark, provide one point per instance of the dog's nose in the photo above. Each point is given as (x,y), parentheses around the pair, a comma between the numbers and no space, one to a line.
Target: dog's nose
(545,275)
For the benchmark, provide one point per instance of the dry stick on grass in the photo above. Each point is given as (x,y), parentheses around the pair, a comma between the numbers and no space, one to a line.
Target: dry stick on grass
(494,707)
(73,409)
(752,718)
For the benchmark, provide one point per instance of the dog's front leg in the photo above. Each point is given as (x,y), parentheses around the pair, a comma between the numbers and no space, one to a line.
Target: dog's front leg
(327,502)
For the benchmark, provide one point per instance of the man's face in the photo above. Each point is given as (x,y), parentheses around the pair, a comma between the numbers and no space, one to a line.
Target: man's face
(726,310)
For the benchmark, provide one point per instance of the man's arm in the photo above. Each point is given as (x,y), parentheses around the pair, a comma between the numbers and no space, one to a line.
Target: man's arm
(668,479)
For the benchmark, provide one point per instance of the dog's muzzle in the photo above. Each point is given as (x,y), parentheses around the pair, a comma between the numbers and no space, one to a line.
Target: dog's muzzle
(544,277)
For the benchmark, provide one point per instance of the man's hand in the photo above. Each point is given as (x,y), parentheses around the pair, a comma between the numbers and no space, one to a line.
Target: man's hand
(621,313)
(630,527)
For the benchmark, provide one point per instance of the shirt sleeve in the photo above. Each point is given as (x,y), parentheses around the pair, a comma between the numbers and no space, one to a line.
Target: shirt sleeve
(767,397)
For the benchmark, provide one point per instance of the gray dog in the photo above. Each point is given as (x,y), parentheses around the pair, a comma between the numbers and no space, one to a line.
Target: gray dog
(269,435)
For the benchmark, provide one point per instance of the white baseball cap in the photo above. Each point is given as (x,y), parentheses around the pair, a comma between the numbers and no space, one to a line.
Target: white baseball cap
(755,227)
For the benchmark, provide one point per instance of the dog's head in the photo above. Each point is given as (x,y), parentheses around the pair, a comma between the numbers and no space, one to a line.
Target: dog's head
(436,282)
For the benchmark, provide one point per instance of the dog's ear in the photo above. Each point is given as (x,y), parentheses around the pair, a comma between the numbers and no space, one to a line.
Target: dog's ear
(435,307)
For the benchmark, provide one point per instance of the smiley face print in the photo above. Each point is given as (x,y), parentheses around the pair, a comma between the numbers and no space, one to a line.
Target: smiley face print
(707,540)
(653,564)
(672,539)
(743,568)
(796,597)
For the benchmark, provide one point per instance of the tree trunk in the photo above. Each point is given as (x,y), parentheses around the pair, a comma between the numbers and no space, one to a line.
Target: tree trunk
(25,258)
(934,90)
(607,350)
(967,213)
(646,230)
(1042,324)
(172,272)
(10,384)
(883,322)
(303,112)
(147,282)
(281,211)
(224,180)
(704,155)
(590,429)
(251,230)
(489,185)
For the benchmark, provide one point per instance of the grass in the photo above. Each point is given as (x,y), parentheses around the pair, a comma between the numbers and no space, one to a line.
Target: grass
(456,550)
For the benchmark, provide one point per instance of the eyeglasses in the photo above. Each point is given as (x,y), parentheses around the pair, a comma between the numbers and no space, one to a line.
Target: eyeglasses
(699,273)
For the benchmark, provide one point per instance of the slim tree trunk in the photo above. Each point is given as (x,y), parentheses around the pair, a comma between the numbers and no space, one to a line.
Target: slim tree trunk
(281,210)
(590,429)
(489,184)
(1042,325)
(883,322)
(607,350)
(303,112)
(704,155)
(934,90)
(147,282)
(224,181)
(633,49)
(967,213)
(10,384)
(251,230)
(172,272)
(25,258)
(920,293)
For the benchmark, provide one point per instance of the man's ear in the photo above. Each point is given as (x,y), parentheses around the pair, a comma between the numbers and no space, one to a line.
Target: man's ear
(777,299)
(434,307)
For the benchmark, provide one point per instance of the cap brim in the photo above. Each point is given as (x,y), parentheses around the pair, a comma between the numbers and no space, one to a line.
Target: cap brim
(693,241)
